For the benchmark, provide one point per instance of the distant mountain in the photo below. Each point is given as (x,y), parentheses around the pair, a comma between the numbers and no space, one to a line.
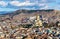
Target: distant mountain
(22,11)
(13,13)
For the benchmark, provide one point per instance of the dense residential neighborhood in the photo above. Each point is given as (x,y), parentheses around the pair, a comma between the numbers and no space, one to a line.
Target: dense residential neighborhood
(39,24)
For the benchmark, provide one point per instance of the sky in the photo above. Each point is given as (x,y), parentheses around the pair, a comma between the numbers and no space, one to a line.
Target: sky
(13,5)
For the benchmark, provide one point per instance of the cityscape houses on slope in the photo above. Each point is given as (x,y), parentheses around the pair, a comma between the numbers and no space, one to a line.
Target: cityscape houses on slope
(16,18)
(20,25)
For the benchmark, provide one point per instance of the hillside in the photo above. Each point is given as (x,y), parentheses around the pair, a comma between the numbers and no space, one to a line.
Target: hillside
(19,14)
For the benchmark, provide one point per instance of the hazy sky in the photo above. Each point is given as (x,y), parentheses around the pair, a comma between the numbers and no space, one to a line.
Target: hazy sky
(12,5)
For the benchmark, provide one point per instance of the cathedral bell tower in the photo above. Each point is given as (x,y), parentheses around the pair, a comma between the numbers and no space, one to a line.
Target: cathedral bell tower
(38,22)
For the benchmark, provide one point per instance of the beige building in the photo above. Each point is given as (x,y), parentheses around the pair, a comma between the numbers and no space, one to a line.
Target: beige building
(38,22)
